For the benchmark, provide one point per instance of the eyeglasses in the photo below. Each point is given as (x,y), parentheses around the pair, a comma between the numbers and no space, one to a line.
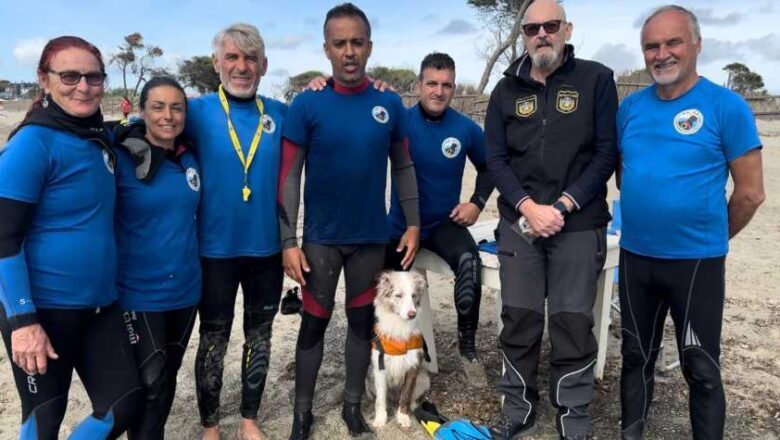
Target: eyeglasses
(550,27)
(71,77)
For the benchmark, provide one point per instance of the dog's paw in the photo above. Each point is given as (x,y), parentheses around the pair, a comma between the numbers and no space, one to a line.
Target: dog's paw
(403,419)
(379,421)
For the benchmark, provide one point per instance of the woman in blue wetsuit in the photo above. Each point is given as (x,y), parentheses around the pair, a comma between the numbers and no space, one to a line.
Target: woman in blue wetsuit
(58,256)
(158,276)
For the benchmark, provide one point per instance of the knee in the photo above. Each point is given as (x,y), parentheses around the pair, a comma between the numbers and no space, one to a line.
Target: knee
(257,326)
(522,327)
(312,331)
(631,352)
(360,321)
(700,370)
(571,336)
(153,375)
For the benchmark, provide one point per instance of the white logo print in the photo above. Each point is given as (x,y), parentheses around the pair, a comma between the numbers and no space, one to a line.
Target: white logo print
(450,147)
(380,114)
(689,121)
(269,125)
(108,159)
(193,179)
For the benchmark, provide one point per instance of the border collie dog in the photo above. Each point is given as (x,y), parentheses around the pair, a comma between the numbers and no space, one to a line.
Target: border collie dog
(398,348)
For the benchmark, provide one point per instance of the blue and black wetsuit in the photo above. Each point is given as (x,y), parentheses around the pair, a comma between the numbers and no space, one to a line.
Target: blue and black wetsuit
(57,269)
(158,277)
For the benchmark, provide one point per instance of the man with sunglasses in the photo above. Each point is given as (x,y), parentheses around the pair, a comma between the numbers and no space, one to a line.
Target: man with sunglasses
(550,140)
(679,140)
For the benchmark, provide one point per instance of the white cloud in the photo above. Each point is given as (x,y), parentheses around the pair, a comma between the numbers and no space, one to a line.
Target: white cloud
(291,41)
(279,72)
(618,57)
(458,27)
(28,51)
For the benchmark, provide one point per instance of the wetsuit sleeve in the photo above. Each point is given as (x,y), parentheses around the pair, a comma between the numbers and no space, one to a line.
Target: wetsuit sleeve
(15,293)
(289,191)
(602,164)
(405,181)
(483,186)
(497,152)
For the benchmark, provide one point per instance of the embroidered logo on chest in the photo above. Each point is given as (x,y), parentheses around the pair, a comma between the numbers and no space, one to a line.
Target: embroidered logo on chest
(380,114)
(269,125)
(567,101)
(525,107)
(689,121)
(109,160)
(193,179)
(450,147)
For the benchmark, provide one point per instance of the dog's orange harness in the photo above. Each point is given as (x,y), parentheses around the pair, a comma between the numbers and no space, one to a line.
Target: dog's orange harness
(395,347)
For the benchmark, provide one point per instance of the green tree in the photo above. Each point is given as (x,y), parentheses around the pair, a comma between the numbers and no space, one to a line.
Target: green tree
(4,83)
(743,80)
(296,83)
(198,73)
(136,58)
(400,79)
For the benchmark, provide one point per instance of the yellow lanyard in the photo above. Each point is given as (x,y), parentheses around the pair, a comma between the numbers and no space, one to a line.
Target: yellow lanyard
(245,162)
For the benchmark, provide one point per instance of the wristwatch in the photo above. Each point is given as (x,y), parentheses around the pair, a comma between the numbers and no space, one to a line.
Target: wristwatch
(560,207)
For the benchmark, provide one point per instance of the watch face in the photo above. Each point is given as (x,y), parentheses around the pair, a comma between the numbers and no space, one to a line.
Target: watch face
(560,207)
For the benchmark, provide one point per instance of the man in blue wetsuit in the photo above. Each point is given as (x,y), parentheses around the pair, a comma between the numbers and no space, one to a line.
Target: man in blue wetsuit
(440,140)
(679,140)
(344,135)
(238,137)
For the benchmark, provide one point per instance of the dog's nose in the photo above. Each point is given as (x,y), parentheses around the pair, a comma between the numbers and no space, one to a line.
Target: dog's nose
(411,314)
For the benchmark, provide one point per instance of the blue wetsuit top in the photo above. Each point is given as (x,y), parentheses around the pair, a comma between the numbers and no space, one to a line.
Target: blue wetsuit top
(156,234)
(439,150)
(228,226)
(347,137)
(675,164)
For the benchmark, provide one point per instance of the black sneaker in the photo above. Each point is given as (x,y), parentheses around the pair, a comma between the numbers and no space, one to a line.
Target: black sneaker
(301,427)
(507,428)
(353,417)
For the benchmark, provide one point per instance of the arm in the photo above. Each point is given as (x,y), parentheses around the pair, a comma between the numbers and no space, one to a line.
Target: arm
(747,173)
(30,346)
(402,173)
(466,214)
(601,166)
(288,198)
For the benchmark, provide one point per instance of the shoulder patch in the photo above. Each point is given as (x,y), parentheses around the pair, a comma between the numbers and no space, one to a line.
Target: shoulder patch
(109,160)
(269,125)
(451,147)
(525,107)
(193,179)
(380,114)
(688,121)
(566,101)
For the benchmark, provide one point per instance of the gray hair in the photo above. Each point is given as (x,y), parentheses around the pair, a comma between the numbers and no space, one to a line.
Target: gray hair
(245,36)
(693,22)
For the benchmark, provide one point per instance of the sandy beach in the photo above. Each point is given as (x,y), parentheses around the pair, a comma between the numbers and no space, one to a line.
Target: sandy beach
(750,360)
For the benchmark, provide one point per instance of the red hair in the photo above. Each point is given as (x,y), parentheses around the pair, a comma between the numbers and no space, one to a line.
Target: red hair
(55,46)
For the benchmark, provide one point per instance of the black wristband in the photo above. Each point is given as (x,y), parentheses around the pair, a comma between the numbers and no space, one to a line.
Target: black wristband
(560,206)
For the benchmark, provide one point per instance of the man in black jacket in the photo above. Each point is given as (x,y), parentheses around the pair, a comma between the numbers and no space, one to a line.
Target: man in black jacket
(550,140)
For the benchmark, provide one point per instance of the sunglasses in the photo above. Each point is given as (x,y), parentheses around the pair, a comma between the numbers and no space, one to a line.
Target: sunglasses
(550,27)
(71,77)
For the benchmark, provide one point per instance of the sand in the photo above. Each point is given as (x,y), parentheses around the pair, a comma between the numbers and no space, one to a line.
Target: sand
(751,343)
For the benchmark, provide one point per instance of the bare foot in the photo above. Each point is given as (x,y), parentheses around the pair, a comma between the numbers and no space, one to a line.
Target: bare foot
(210,433)
(248,430)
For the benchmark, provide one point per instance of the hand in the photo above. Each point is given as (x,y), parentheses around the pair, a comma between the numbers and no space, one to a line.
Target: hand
(317,83)
(381,85)
(411,242)
(295,264)
(465,214)
(30,349)
(545,220)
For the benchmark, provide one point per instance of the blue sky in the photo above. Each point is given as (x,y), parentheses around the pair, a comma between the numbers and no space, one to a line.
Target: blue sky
(403,32)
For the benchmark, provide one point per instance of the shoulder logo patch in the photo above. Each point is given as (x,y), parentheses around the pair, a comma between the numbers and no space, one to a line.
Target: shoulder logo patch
(567,101)
(269,125)
(193,179)
(380,114)
(450,147)
(109,160)
(525,107)
(689,121)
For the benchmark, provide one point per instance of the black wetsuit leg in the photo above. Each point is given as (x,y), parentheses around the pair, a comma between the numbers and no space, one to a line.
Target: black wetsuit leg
(160,340)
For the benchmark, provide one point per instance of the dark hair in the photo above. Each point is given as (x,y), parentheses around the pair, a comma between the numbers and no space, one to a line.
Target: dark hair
(346,10)
(159,81)
(438,61)
(55,46)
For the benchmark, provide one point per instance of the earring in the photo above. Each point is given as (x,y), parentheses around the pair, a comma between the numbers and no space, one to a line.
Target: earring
(45,103)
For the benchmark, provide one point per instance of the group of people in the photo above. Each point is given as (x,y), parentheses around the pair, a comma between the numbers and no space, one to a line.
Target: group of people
(113,239)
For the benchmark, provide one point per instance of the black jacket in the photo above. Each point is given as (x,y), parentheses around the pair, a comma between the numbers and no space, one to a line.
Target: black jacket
(546,140)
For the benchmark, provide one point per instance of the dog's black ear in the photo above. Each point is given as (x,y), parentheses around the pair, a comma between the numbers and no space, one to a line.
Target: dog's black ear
(383,283)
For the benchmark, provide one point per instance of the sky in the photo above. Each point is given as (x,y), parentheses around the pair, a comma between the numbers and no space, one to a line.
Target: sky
(404,31)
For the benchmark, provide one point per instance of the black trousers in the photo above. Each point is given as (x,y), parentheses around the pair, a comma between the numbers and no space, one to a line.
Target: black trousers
(693,292)
(261,282)
(95,344)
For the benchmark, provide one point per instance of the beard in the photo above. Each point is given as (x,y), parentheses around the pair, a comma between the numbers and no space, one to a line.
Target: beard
(546,59)
(224,78)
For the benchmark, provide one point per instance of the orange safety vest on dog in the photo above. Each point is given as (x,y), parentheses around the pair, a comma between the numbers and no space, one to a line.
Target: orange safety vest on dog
(395,347)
